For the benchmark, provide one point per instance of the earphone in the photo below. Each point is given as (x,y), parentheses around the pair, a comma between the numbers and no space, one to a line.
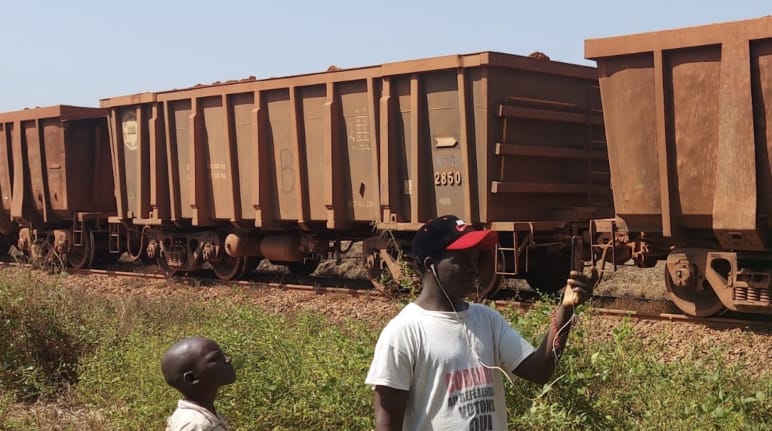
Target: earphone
(466,330)
(471,346)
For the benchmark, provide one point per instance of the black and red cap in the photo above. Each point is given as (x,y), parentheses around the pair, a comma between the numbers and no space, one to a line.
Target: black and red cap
(450,233)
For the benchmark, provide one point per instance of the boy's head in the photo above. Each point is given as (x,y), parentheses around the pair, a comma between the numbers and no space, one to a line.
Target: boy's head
(449,233)
(196,365)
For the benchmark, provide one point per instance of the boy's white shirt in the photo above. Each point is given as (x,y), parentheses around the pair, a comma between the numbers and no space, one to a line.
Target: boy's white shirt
(192,417)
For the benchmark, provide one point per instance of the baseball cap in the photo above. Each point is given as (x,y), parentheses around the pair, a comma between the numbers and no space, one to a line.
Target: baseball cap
(449,232)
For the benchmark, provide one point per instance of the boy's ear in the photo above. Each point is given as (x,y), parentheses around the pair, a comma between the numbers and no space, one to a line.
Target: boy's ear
(189,377)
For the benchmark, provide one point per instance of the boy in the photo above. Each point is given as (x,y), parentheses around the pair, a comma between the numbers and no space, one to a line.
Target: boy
(197,367)
(434,363)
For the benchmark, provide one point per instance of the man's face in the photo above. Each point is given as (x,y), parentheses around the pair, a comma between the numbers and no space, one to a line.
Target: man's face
(213,368)
(458,270)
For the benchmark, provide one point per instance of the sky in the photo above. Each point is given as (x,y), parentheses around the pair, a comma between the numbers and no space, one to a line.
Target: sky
(76,52)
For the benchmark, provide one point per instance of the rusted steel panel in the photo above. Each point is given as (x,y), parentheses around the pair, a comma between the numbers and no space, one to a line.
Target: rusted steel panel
(139,162)
(357,109)
(449,163)
(687,121)
(286,171)
(312,109)
(180,157)
(54,162)
(245,154)
(6,178)
(217,126)
(31,141)
(546,124)
(393,143)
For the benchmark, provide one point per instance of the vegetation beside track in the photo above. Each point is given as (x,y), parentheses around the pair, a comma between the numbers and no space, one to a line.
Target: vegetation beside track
(76,359)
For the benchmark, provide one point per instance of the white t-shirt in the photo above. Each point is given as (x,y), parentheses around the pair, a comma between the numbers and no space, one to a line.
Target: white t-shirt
(428,354)
(192,417)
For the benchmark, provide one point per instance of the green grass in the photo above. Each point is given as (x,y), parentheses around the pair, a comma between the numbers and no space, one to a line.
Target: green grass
(620,384)
(96,360)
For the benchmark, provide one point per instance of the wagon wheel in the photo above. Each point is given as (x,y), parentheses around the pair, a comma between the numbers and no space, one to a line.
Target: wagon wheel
(488,282)
(5,245)
(42,254)
(552,272)
(252,262)
(107,258)
(546,280)
(306,266)
(163,265)
(23,256)
(692,292)
(229,267)
(82,256)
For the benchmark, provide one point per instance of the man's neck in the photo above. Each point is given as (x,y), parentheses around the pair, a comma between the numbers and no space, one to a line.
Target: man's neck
(433,300)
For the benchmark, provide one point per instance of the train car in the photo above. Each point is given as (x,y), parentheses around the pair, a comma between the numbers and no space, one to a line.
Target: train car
(287,168)
(56,183)
(689,127)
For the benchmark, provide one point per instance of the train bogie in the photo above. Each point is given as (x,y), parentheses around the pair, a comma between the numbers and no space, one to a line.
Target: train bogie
(688,127)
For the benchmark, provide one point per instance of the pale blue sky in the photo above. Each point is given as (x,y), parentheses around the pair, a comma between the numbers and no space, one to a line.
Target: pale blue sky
(77,51)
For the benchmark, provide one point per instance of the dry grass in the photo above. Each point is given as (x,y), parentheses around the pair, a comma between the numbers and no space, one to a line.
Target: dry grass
(632,281)
(619,366)
(64,413)
(349,267)
(628,281)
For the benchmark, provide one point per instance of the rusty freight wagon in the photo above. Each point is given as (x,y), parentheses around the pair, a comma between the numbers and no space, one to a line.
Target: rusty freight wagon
(56,183)
(688,119)
(287,168)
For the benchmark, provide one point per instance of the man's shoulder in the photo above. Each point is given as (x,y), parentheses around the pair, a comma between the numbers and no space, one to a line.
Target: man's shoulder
(489,314)
(410,314)
(409,319)
(477,308)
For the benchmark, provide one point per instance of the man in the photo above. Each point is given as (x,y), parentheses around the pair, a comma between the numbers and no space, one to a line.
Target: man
(438,363)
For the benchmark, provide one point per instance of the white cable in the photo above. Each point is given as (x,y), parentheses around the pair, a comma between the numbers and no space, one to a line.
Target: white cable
(557,334)
(466,330)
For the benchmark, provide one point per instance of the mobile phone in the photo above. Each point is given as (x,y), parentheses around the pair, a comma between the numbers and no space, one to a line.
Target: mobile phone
(577,260)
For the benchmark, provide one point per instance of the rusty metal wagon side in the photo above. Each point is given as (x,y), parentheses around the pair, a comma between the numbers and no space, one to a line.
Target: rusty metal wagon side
(287,168)
(56,182)
(687,114)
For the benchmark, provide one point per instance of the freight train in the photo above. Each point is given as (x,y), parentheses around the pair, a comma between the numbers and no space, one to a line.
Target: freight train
(290,169)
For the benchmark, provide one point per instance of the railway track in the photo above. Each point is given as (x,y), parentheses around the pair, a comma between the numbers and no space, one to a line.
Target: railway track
(602,305)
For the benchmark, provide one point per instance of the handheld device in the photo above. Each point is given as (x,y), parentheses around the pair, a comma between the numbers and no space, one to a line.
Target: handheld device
(577,260)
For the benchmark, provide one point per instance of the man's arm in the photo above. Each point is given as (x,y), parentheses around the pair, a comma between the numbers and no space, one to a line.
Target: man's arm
(540,365)
(390,405)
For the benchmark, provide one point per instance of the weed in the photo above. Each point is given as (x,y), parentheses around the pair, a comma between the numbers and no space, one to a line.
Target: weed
(95,365)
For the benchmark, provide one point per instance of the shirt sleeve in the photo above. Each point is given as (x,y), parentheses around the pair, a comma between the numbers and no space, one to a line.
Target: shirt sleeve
(513,348)
(392,366)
